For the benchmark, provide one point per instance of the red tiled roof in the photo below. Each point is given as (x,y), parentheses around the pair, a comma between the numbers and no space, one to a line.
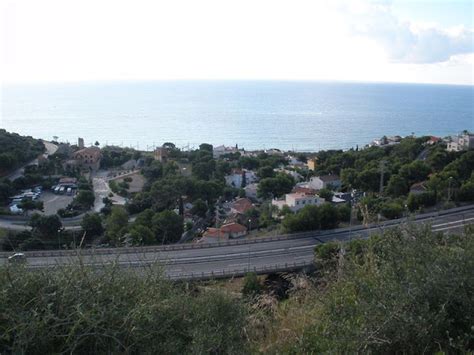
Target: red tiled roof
(242,205)
(233,228)
(304,190)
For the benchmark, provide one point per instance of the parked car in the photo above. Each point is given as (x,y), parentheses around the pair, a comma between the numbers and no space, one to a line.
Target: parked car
(69,191)
(15,209)
(17,258)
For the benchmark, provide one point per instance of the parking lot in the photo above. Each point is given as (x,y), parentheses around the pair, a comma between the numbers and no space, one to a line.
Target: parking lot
(52,203)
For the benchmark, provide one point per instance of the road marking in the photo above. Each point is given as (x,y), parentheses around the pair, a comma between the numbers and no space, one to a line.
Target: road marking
(454,222)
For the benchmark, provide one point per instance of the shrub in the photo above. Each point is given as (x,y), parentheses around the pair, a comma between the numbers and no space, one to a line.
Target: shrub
(79,310)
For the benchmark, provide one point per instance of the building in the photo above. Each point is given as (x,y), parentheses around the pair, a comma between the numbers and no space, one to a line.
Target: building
(461,142)
(296,201)
(241,205)
(87,158)
(80,143)
(312,163)
(221,150)
(418,188)
(296,176)
(235,179)
(226,231)
(161,154)
(325,182)
(433,140)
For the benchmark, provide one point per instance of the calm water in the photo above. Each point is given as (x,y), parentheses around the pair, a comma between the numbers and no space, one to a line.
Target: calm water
(255,114)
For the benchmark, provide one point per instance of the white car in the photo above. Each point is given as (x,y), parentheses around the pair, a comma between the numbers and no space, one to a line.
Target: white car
(15,209)
(17,258)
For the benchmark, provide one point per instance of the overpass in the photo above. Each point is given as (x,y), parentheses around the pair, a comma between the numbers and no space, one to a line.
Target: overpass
(237,257)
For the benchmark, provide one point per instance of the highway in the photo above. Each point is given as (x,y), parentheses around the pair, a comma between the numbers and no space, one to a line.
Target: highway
(281,253)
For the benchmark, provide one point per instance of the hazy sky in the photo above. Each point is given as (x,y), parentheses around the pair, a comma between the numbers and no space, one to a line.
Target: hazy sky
(408,41)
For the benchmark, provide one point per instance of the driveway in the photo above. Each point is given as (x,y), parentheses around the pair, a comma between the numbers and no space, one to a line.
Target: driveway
(100,182)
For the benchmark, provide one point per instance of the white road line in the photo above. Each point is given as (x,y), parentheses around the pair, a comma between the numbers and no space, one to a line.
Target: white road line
(454,222)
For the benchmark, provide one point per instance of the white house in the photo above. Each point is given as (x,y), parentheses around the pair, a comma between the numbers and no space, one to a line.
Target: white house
(296,201)
(461,142)
(292,173)
(325,182)
(235,179)
(220,150)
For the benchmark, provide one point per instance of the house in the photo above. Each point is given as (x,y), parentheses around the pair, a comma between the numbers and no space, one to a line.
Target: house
(241,205)
(251,191)
(461,142)
(295,162)
(161,154)
(221,150)
(296,201)
(235,179)
(226,231)
(87,158)
(296,176)
(325,182)
(433,140)
(304,190)
(312,163)
(274,151)
(418,188)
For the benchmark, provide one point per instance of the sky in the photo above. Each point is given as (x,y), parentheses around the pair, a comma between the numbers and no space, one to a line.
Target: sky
(420,41)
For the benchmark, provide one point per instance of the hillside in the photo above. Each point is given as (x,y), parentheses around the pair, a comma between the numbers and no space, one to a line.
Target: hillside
(16,150)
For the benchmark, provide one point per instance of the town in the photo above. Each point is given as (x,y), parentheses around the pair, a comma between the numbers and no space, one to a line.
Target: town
(70,195)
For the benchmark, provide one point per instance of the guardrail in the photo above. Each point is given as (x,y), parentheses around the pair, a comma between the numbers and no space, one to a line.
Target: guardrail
(174,247)
(219,274)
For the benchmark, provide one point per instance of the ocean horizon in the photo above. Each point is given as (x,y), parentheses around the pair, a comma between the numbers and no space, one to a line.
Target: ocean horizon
(289,115)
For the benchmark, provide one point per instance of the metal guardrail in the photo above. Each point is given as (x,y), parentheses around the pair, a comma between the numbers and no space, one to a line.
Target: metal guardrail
(174,247)
(218,274)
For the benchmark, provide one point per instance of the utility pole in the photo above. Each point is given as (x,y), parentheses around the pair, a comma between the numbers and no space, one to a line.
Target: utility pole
(382,172)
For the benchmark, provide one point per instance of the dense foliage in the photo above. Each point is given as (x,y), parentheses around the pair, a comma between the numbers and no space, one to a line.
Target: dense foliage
(408,291)
(79,310)
(16,150)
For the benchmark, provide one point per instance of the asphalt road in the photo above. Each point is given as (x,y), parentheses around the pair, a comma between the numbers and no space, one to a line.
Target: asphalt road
(236,259)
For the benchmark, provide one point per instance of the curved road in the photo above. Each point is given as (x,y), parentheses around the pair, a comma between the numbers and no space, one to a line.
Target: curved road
(236,258)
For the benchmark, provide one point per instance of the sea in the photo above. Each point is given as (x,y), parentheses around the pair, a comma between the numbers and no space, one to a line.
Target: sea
(289,115)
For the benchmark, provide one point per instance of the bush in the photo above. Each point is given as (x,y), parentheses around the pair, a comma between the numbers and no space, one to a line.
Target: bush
(79,310)
(392,210)
(252,286)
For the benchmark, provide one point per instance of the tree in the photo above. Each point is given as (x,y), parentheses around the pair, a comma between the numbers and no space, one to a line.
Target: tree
(29,205)
(466,192)
(265,172)
(92,224)
(45,226)
(397,186)
(199,208)
(392,210)
(308,218)
(116,224)
(142,235)
(167,226)
(277,186)
(85,198)
(326,194)
(96,143)
(328,216)
(206,147)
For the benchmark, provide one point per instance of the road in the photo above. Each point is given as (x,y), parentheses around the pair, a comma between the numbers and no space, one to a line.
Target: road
(236,258)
